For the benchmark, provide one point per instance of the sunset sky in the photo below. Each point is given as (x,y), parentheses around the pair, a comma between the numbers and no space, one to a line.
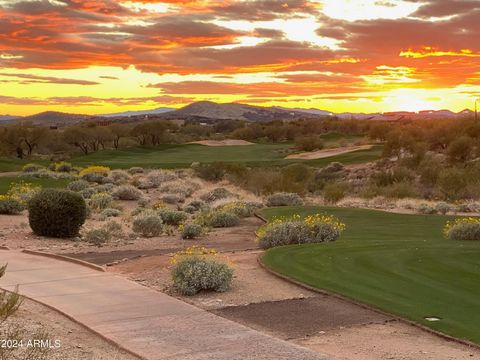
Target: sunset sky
(85,56)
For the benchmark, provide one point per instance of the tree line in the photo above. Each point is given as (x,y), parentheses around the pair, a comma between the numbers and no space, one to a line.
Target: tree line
(24,139)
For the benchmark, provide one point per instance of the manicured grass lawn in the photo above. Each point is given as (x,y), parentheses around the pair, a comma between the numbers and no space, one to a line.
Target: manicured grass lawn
(6,181)
(398,263)
(178,156)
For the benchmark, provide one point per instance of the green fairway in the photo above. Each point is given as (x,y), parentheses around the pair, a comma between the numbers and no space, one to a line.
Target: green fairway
(6,181)
(398,263)
(179,156)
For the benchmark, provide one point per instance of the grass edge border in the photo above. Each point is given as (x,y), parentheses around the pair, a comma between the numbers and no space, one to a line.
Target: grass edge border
(365,306)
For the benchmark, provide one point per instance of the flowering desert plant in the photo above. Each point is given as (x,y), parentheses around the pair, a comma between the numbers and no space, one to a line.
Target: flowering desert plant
(23,192)
(103,170)
(196,269)
(315,228)
(462,229)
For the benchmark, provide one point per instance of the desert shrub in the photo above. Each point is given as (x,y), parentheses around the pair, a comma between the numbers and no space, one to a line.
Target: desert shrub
(284,199)
(47,174)
(158,177)
(135,170)
(10,205)
(119,177)
(97,237)
(114,228)
(451,183)
(396,175)
(295,230)
(126,192)
(189,209)
(334,192)
(442,208)
(177,187)
(104,188)
(63,167)
(191,231)
(23,192)
(429,169)
(463,229)
(94,177)
(460,149)
(103,170)
(57,213)
(216,194)
(309,143)
(468,207)
(196,270)
(172,198)
(88,192)
(78,185)
(29,168)
(198,205)
(110,212)
(100,201)
(148,224)
(239,208)
(218,219)
(210,172)
(172,217)
(399,190)
(426,209)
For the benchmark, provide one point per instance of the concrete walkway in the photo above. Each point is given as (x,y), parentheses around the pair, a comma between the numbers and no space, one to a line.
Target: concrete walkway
(143,321)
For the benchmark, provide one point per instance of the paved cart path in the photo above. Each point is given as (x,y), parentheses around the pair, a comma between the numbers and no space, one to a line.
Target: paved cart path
(141,320)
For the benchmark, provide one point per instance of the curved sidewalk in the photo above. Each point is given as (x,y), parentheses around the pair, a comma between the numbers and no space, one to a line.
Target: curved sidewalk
(141,320)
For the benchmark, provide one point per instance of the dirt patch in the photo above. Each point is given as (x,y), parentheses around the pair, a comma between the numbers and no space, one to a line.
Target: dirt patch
(251,283)
(237,238)
(222,142)
(392,340)
(296,318)
(320,154)
(76,341)
(16,234)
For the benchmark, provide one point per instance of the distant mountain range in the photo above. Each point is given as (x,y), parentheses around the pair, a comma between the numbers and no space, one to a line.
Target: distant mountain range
(8,117)
(207,111)
(156,111)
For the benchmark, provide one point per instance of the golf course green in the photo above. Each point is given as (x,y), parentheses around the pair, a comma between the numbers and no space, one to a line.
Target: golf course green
(395,262)
(7,181)
(183,155)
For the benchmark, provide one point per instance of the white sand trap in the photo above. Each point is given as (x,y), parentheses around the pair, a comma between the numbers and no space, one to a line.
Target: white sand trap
(319,154)
(222,142)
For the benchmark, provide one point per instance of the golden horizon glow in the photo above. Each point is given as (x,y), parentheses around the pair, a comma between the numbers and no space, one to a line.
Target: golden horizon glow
(107,56)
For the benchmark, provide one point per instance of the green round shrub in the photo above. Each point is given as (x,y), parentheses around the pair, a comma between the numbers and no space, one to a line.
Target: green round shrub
(222,219)
(148,225)
(172,217)
(191,231)
(57,213)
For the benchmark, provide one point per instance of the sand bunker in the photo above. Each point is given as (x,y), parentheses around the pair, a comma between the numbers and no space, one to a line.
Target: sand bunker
(319,154)
(222,142)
